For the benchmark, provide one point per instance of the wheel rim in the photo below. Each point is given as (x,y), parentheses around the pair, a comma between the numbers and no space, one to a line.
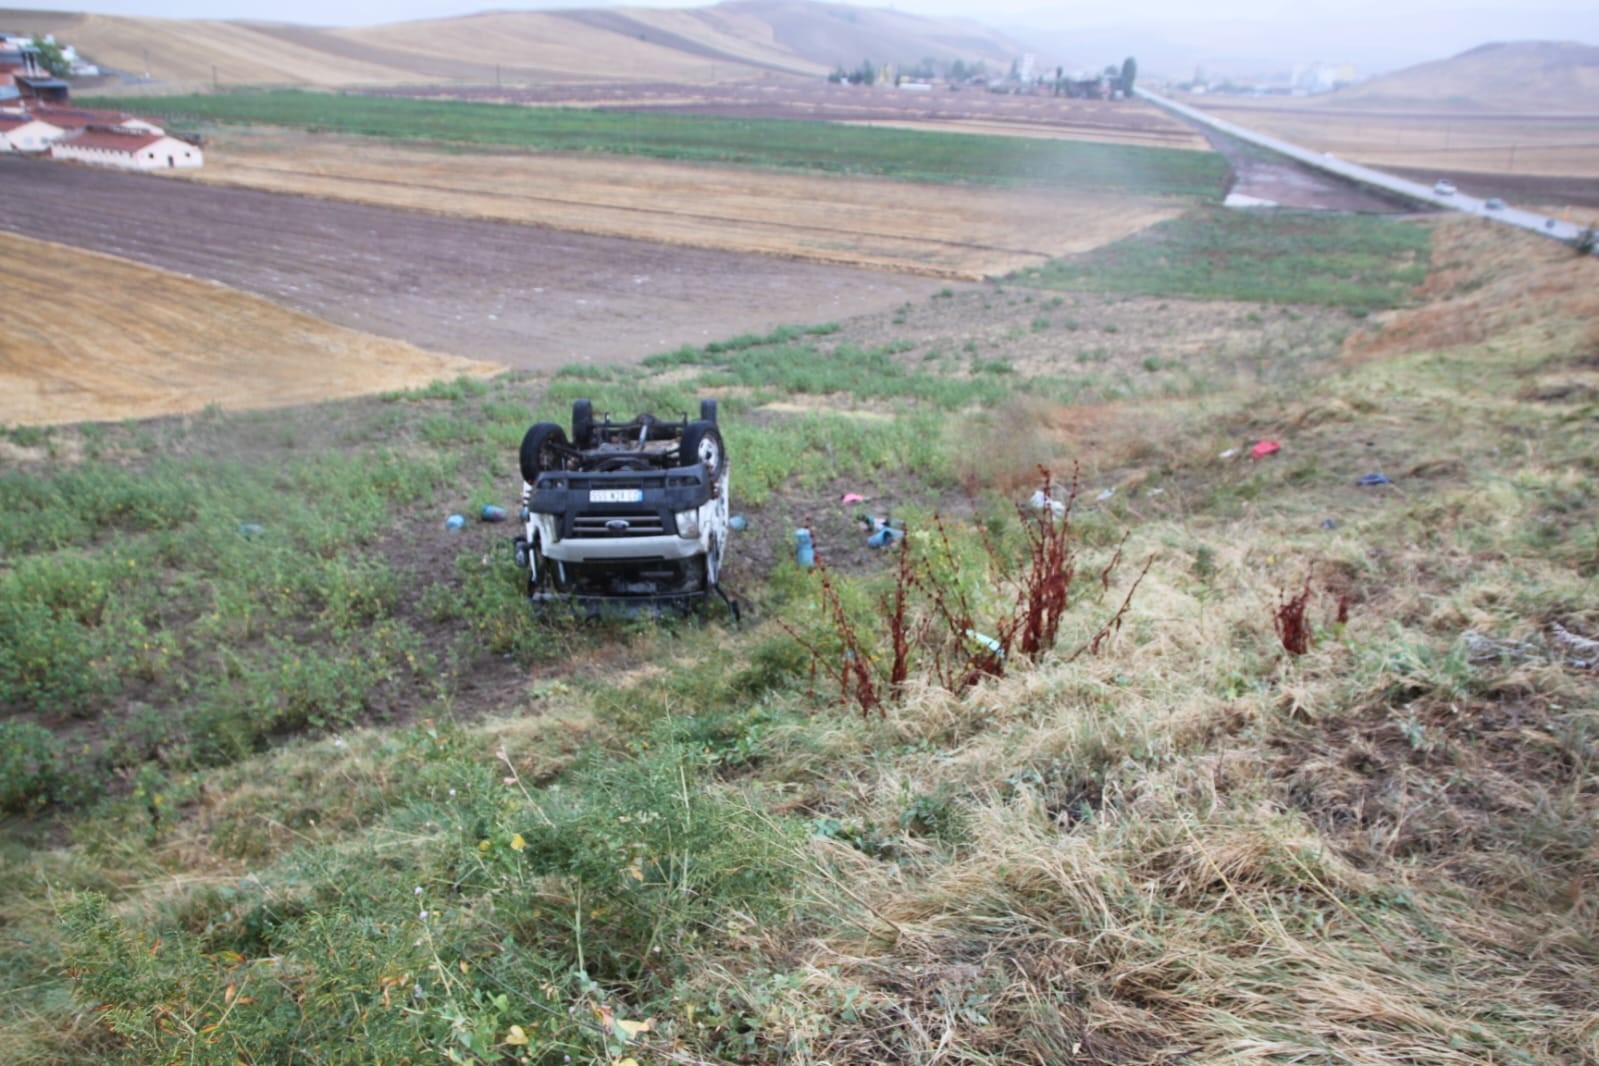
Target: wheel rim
(710,453)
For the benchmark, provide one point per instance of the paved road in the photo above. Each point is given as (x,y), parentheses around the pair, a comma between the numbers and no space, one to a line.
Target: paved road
(1471,205)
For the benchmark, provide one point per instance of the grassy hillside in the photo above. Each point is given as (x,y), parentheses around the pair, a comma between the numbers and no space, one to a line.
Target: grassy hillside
(814,146)
(1322,790)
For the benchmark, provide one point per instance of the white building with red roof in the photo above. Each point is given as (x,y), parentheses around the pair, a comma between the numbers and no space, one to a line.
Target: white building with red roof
(22,132)
(77,118)
(127,150)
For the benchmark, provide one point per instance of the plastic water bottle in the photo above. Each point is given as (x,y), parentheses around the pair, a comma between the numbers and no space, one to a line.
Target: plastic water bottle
(804,550)
(455,523)
(492,513)
(738,523)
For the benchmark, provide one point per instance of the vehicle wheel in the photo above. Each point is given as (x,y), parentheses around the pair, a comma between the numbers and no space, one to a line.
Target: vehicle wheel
(702,443)
(582,423)
(541,450)
(708,411)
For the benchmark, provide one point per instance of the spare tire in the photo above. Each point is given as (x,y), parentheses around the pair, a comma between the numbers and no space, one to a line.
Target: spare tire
(702,443)
(542,449)
(582,423)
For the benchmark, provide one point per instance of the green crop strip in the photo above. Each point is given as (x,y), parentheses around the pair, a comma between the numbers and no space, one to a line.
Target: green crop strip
(1352,261)
(777,143)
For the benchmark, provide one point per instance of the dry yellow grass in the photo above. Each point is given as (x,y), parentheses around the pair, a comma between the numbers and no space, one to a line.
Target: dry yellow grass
(740,34)
(91,337)
(527,46)
(923,229)
(556,47)
(192,51)
(1524,293)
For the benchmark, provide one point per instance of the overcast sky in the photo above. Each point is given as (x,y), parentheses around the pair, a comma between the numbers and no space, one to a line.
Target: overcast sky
(1375,34)
(1089,13)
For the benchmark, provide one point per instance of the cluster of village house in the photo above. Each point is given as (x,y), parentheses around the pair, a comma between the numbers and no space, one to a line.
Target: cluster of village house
(36,116)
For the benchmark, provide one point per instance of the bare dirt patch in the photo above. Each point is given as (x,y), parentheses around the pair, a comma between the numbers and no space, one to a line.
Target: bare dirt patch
(939,230)
(93,338)
(529,297)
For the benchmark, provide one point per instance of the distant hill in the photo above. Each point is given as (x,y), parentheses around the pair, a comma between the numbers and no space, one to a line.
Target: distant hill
(738,40)
(1559,77)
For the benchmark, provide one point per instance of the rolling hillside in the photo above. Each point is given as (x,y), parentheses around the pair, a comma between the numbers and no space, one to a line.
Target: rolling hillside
(1560,77)
(735,41)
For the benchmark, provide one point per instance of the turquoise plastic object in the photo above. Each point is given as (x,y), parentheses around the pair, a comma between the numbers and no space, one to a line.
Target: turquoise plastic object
(804,550)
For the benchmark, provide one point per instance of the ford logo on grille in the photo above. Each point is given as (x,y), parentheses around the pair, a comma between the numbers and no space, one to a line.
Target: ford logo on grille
(617,525)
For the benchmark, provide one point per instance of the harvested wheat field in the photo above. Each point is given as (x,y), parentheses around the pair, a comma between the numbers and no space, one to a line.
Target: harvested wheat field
(1446,142)
(95,338)
(530,297)
(935,230)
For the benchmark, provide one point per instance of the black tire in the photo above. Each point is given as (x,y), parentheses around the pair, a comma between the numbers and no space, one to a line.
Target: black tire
(708,411)
(582,424)
(542,449)
(702,443)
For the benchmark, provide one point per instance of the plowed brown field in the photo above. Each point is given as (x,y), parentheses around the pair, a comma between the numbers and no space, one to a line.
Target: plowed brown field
(92,337)
(935,230)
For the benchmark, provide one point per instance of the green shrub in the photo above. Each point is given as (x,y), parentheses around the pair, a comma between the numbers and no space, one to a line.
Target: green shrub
(30,765)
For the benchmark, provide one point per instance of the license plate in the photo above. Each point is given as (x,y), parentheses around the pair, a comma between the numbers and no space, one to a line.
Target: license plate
(616,495)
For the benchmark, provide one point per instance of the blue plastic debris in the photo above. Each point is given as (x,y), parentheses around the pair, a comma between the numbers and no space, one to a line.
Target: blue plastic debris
(738,523)
(249,530)
(885,537)
(804,549)
(492,513)
(1328,523)
(455,522)
(1374,479)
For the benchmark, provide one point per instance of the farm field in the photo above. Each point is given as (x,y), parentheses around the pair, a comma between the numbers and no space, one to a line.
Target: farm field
(919,228)
(521,296)
(94,337)
(756,142)
(1530,157)
(1305,773)
(971,109)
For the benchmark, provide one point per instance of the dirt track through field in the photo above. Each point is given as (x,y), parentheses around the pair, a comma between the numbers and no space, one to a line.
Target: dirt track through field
(92,337)
(525,296)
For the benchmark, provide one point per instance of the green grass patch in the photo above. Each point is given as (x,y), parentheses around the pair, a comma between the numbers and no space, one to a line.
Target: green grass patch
(1352,261)
(781,143)
(657,842)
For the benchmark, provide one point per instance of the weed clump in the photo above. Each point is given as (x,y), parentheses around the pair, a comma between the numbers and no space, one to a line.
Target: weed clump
(960,606)
(1289,619)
